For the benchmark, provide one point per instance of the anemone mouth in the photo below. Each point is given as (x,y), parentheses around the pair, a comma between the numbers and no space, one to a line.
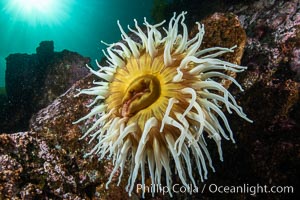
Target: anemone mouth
(140,94)
(157,99)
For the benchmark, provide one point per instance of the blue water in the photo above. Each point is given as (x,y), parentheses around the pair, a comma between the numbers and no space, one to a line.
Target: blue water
(76,25)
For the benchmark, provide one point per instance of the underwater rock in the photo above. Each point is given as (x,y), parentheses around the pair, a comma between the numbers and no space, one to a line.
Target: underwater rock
(45,51)
(224,30)
(66,68)
(34,81)
(48,161)
(267,151)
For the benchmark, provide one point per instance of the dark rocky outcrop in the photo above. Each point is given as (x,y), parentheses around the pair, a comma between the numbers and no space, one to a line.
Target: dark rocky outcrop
(34,81)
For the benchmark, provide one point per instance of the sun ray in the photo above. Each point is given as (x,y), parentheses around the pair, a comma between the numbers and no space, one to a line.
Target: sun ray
(38,12)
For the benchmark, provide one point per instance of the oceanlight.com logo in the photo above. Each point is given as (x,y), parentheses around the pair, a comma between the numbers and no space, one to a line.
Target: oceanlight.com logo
(250,189)
(214,188)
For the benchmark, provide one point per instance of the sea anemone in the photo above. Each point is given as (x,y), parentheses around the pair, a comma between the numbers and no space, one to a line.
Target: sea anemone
(157,101)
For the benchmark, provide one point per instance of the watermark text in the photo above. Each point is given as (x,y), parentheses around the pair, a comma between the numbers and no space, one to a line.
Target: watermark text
(214,188)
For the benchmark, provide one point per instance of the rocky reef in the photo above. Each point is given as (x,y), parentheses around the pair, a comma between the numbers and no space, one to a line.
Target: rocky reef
(47,161)
(33,81)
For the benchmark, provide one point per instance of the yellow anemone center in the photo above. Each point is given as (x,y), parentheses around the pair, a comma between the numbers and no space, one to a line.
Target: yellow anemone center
(142,88)
(140,94)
